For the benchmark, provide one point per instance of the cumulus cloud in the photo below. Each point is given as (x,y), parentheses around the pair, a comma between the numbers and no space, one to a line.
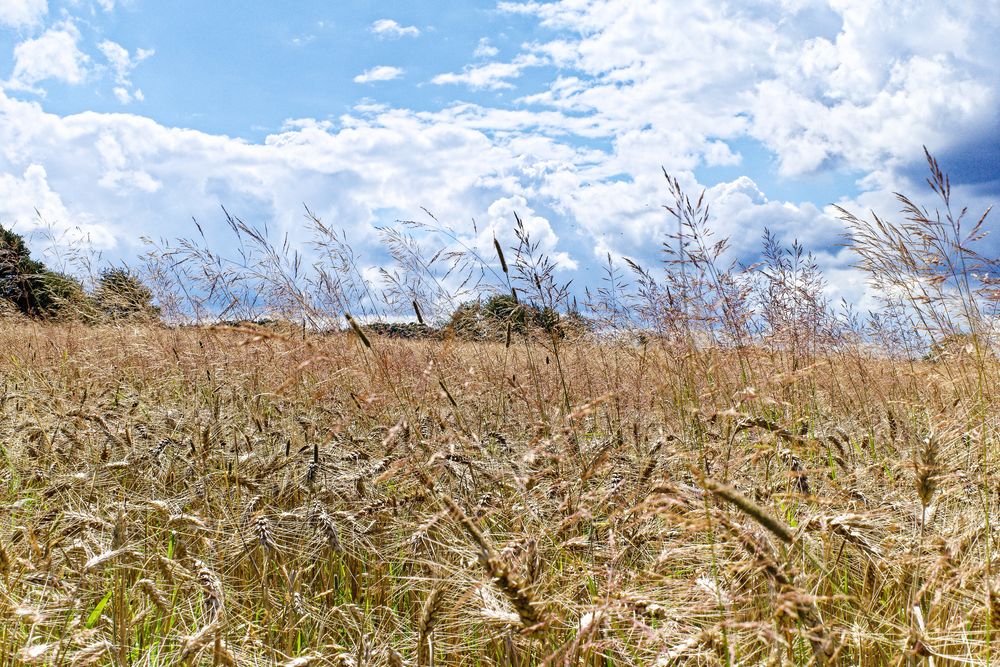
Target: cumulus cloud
(379,73)
(23,197)
(389,29)
(815,87)
(30,206)
(499,218)
(824,87)
(359,171)
(22,13)
(869,97)
(55,55)
(819,84)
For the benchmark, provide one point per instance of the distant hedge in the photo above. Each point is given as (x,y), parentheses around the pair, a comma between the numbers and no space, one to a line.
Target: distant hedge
(488,319)
(403,330)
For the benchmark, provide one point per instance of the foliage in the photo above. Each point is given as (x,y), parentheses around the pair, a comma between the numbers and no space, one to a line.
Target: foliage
(403,330)
(59,295)
(121,294)
(490,319)
(31,287)
(38,291)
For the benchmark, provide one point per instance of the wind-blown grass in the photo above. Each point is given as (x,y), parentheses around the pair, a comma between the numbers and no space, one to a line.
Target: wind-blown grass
(723,470)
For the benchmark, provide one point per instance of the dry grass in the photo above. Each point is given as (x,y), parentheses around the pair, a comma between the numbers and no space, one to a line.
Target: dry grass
(216,496)
(725,470)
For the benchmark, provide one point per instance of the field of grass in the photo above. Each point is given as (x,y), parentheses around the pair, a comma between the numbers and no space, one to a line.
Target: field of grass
(707,463)
(258,496)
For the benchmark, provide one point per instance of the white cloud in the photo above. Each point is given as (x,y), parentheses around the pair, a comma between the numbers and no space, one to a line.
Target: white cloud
(380,73)
(636,86)
(499,219)
(53,55)
(822,86)
(127,96)
(23,197)
(359,171)
(22,13)
(29,206)
(484,49)
(871,98)
(122,63)
(363,170)
(818,83)
(389,29)
(493,75)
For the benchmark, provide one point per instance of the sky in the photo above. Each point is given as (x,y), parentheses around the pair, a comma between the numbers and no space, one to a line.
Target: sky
(123,119)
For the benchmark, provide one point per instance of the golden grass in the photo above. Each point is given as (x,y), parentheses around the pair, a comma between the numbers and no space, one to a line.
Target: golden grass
(247,496)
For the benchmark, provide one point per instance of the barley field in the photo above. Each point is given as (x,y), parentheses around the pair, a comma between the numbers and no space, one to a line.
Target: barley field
(252,496)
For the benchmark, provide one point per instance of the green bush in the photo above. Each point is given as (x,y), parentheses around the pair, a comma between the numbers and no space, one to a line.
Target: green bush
(121,294)
(56,295)
(490,319)
(36,291)
(18,272)
(33,289)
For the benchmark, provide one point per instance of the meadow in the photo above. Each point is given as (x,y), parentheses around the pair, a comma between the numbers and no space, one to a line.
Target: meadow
(721,468)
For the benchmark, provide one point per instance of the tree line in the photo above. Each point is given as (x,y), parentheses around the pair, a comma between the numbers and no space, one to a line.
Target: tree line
(29,287)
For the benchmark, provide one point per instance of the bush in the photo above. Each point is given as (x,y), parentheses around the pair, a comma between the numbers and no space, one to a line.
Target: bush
(58,295)
(17,271)
(411,330)
(33,289)
(122,295)
(489,319)
(28,287)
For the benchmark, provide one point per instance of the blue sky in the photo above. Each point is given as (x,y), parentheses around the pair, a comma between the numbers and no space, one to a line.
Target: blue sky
(126,118)
(244,68)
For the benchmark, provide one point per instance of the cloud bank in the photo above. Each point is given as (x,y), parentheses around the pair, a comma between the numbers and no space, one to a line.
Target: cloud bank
(618,90)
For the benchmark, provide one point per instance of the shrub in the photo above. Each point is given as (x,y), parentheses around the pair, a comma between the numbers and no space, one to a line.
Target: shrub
(17,270)
(121,294)
(489,319)
(57,295)
(412,330)
(33,289)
